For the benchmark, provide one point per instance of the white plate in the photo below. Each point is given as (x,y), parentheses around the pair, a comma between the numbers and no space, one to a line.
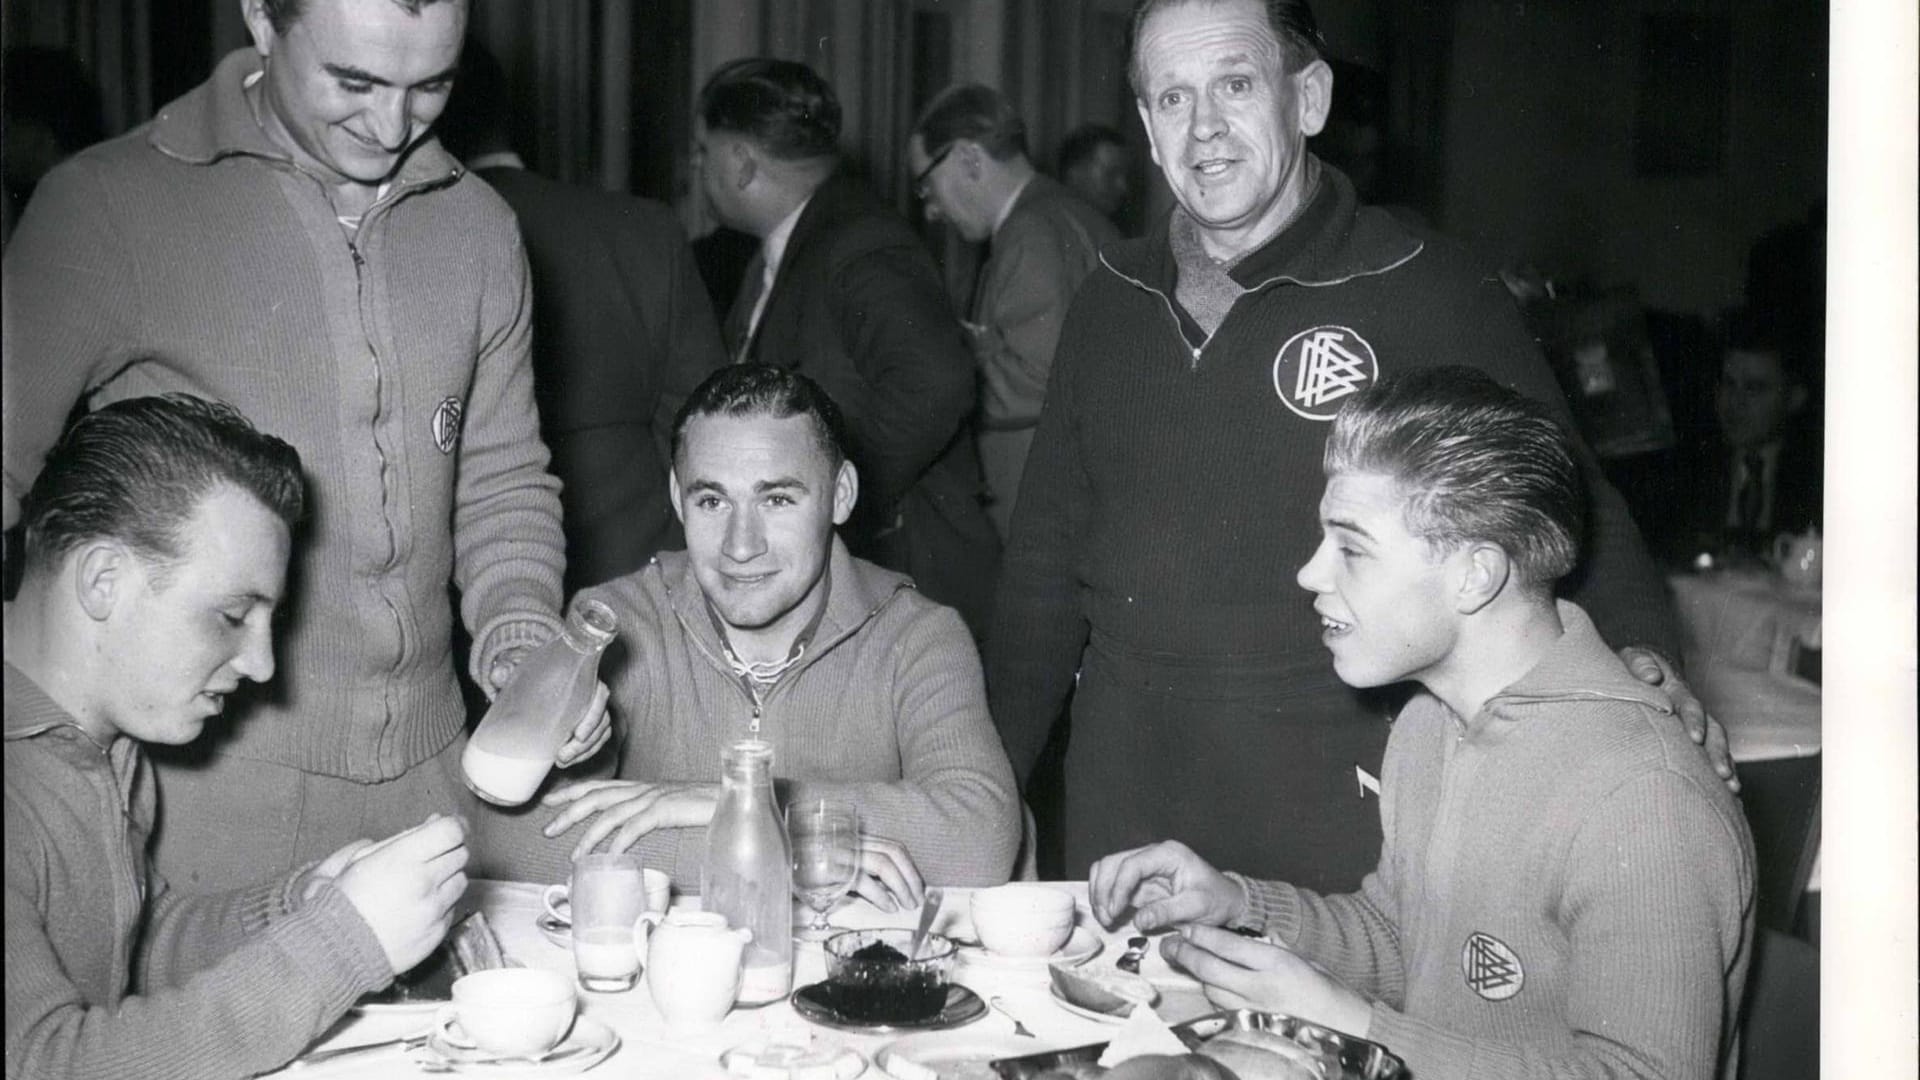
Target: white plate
(1081,1010)
(949,1056)
(1083,944)
(764,1058)
(588,1044)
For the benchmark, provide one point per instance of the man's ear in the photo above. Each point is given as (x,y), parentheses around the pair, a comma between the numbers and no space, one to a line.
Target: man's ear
(846,492)
(970,158)
(103,571)
(673,493)
(1483,570)
(1314,86)
(259,27)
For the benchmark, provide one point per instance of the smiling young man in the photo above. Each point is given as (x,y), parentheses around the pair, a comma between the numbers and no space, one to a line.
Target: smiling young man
(1566,887)
(765,627)
(157,539)
(291,238)
(1173,469)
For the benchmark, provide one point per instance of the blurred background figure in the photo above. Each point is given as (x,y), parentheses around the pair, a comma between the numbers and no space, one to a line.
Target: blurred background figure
(1097,164)
(1757,473)
(622,333)
(843,291)
(968,156)
(52,109)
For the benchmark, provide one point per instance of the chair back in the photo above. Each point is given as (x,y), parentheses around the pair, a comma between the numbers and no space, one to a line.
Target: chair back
(1782,803)
(1780,1023)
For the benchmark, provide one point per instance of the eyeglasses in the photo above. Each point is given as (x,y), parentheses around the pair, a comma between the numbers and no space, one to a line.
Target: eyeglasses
(920,178)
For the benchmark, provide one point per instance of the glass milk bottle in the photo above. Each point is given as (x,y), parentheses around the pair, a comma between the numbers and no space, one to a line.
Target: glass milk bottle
(528,723)
(748,874)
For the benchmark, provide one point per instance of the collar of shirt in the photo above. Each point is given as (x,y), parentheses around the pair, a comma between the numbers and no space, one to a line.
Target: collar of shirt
(1006,208)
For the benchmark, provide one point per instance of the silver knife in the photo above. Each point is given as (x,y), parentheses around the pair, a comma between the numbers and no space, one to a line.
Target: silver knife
(321,1057)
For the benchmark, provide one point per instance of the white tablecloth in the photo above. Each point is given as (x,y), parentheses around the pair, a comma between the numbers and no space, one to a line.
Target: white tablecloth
(1736,626)
(650,1049)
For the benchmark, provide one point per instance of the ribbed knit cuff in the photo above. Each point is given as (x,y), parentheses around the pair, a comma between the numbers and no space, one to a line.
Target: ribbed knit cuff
(332,940)
(1272,907)
(514,630)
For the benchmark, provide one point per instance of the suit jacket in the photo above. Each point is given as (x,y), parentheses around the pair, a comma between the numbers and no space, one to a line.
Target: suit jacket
(858,306)
(1049,243)
(622,333)
(1695,518)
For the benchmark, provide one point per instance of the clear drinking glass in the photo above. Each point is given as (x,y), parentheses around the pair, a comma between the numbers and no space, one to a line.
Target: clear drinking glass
(824,835)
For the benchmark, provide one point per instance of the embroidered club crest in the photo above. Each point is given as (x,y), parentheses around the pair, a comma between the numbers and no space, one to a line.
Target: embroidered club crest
(1318,368)
(1492,969)
(446,424)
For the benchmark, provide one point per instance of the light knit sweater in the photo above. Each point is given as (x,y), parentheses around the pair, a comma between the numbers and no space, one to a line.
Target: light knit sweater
(1565,889)
(109,974)
(192,254)
(886,710)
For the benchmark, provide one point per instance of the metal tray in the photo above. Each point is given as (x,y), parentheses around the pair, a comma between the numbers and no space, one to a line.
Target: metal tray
(1358,1059)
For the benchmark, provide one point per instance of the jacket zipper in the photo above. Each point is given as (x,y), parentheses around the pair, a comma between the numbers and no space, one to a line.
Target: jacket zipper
(1193,351)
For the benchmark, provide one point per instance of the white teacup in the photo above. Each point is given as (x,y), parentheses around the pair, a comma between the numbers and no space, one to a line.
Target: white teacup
(1023,920)
(510,1012)
(693,965)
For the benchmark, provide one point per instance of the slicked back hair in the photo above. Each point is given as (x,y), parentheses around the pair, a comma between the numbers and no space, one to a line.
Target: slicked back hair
(282,14)
(1291,21)
(976,112)
(782,105)
(743,390)
(137,470)
(1476,462)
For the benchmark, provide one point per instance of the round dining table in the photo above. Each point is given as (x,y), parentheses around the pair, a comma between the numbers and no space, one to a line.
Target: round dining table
(650,1048)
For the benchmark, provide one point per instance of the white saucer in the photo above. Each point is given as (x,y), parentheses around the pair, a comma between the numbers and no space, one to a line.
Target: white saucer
(588,1044)
(1083,945)
(560,933)
(936,1054)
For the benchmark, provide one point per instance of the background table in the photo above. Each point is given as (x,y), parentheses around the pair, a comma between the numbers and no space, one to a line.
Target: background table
(649,1048)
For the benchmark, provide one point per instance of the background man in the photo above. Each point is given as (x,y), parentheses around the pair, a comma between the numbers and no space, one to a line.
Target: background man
(1171,474)
(288,237)
(968,154)
(845,292)
(156,549)
(1758,474)
(1097,164)
(765,627)
(622,332)
(1566,888)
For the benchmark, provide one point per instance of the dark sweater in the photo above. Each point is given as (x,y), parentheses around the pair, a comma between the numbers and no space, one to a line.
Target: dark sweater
(1170,498)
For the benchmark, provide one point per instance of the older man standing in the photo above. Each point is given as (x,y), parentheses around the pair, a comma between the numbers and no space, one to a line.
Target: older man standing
(968,154)
(1173,477)
(287,237)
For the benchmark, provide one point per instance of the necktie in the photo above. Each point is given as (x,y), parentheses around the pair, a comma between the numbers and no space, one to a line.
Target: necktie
(739,328)
(1747,503)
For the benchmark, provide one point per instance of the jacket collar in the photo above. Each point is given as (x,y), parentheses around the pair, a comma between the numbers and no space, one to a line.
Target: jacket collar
(29,711)
(1333,240)
(1578,667)
(214,121)
(857,592)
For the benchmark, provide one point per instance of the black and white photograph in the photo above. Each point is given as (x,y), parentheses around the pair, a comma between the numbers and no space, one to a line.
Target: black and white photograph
(960,539)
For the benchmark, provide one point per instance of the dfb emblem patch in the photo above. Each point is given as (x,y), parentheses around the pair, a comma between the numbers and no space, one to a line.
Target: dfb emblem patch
(1316,369)
(446,424)
(1492,969)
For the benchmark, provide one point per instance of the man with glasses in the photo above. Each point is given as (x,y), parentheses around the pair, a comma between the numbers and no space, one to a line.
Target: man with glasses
(844,292)
(969,156)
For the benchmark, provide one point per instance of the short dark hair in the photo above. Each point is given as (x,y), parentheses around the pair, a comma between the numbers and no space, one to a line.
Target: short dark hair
(975,112)
(137,470)
(282,14)
(781,104)
(1477,462)
(741,390)
(1291,21)
(1081,142)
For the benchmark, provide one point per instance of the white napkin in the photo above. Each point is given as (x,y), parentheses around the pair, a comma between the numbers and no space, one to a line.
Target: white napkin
(1143,1033)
